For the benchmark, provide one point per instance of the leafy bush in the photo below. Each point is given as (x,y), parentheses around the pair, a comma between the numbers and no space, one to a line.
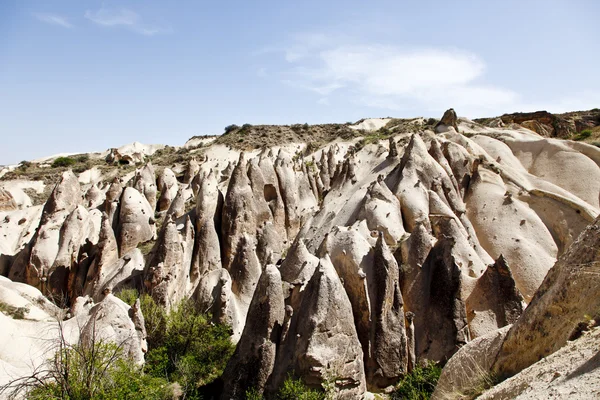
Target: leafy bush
(295,389)
(584,134)
(419,384)
(183,345)
(246,126)
(98,370)
(63,162)
(253,394)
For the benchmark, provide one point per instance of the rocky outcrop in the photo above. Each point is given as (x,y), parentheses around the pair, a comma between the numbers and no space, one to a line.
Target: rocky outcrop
(388,360)
(35,262)
(136,221)
(550,125)
(7,202)
(112,320)
(322,342)
(168,187)
(433,294)
(167,275)
(560,309)
(449,120)
(252,363)
(570,373)
(349,262)
(28,342)
(495,301)
(145,183)
(469,367)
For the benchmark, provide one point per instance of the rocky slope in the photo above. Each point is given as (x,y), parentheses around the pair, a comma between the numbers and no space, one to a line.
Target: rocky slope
(347,259)
(564,126)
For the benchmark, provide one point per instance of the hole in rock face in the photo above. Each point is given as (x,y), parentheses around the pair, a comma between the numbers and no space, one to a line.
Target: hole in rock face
(270,193)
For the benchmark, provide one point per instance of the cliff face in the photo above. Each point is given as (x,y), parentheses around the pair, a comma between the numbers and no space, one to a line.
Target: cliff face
(563,126)
(352,260)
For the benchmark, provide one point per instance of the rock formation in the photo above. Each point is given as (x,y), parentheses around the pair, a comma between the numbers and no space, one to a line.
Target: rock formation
(345,264)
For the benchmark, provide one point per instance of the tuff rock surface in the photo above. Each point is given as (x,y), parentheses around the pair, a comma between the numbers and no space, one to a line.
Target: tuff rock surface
(345,262)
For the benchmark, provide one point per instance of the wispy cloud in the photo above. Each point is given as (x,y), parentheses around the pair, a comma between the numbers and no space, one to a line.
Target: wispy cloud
(390,77)
(53,19)
(123,18)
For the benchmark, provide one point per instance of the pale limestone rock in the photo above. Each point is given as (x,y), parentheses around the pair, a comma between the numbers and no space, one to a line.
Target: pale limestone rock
(168,187)
(381,210)
(495,300)
(254,358)
(136,221)
(94,197)
(322,340)
(167,275)
(110,320)
(145,183)
(38,258)
(388,360)
(566,299)
(469,367)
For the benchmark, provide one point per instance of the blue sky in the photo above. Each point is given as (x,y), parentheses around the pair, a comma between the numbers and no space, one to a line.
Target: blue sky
(83,75)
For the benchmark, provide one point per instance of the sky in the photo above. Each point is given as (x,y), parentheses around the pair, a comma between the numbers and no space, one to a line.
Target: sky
(81,75)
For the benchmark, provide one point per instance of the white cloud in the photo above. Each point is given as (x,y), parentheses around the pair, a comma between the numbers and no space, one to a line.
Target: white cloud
(54,19)
(391,77)
(324,101)
(122,17)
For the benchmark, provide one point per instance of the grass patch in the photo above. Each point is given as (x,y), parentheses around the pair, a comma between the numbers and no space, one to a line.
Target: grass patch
(146,247)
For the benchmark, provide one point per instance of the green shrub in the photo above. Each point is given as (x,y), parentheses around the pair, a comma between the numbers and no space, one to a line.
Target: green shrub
(63,162)
(419,384)
(184,345)
(96,371)
(231,128)
(253,394)
(584,134)
(295,389)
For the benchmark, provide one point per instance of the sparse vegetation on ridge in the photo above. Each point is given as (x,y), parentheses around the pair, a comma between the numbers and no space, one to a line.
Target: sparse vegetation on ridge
(261,136)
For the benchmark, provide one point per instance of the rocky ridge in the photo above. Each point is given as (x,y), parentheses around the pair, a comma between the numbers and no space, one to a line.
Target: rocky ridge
(347,263)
